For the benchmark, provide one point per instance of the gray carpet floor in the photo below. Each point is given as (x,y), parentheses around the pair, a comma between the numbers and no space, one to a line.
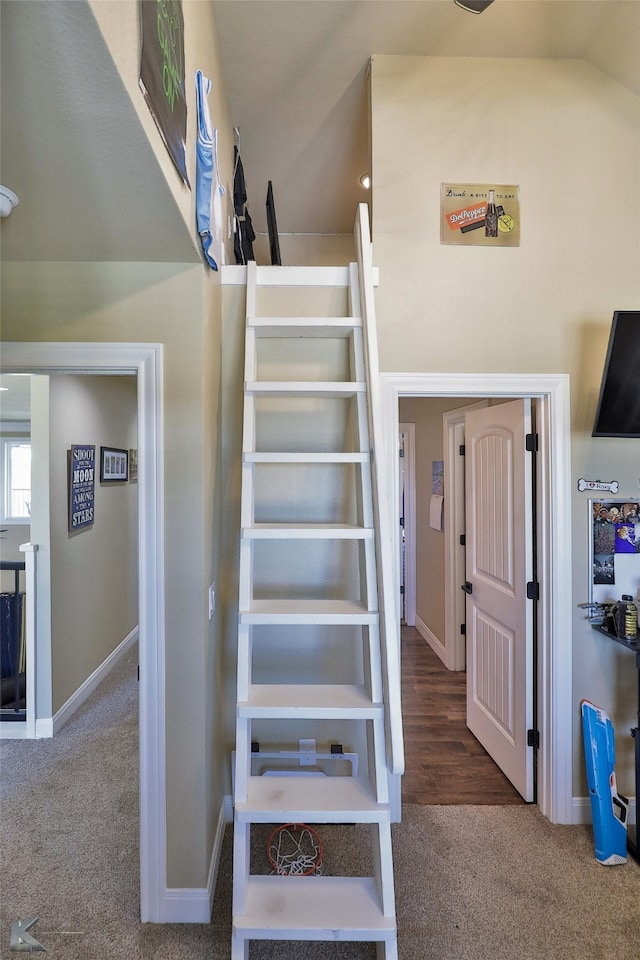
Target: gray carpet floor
(476,882)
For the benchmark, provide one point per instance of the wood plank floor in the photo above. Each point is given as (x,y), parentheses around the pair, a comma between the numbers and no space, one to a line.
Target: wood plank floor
(444,762)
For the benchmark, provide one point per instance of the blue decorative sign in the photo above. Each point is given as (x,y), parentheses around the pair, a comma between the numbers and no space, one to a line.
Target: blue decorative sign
(82,470)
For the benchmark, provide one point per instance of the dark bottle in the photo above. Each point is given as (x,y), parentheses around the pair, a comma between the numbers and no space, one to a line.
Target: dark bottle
(491,217)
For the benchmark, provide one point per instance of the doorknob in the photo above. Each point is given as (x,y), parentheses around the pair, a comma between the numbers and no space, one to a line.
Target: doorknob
(467,587)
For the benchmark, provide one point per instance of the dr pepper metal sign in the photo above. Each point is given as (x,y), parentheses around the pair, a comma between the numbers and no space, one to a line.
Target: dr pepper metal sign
(480,214)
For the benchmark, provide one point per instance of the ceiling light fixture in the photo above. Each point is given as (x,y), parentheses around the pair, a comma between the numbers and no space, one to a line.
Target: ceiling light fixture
(365,181)
(474,6)
(8,200)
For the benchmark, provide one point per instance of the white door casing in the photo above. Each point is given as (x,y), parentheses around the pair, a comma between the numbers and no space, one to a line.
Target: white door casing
(145,362)
(554,668)
(499,564)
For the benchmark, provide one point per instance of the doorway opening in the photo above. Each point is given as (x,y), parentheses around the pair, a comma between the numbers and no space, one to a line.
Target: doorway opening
(145,362)
(551,394)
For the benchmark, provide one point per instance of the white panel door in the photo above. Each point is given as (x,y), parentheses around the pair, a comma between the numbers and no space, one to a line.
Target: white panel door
(498,566)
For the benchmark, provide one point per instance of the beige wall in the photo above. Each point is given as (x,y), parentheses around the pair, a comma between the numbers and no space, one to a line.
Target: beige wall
(94,576)
(179,306)
(570,138)
(119,24)
(312,249)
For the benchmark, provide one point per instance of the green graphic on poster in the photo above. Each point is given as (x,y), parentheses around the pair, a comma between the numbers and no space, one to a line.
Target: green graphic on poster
(162,74)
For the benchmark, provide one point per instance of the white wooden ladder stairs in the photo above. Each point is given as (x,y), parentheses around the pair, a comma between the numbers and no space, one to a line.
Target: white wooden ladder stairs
(299,908)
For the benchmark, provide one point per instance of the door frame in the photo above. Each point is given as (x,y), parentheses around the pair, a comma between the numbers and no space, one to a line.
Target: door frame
(409,430)
(145,362)
(551,391)
(454,569)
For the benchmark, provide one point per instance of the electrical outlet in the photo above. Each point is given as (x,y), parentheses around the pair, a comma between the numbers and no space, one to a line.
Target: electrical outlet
(308,750)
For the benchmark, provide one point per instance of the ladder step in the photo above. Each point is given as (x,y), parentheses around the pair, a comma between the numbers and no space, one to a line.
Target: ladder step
(303,276)
(304,388)
(313,908)
(308,701)
(306,531)
(316,457)
(308,611)
(310,799)
(304,326)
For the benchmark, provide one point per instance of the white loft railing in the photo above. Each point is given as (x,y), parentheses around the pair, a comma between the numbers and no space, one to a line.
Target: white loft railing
(30,550)
(389,622)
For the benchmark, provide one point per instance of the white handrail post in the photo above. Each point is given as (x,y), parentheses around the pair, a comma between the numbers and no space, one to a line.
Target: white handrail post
(30,550)
(389,624)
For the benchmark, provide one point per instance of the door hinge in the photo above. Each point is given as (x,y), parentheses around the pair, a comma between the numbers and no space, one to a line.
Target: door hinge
(533,738)
(467,587)
(463,540)
(531,443)
(533,590)
(463,629)
(461,450)
(402,521)
(401,452)
(402,590)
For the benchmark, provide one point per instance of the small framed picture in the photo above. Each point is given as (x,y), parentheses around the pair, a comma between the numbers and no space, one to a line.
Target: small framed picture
(114,465)
(133,466)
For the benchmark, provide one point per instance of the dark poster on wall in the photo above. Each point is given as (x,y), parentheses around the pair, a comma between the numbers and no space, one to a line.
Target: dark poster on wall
(82,464)
(162,74)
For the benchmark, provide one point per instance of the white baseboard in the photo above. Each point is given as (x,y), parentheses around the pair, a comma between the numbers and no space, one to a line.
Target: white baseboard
(431,639)
(46,727)
(581,810)
(195,904)
(84,691)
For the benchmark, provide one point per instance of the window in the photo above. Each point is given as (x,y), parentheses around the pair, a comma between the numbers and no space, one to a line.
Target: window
(16,479)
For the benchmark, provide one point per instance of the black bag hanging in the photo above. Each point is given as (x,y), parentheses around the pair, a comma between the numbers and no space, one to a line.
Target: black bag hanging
(244,234)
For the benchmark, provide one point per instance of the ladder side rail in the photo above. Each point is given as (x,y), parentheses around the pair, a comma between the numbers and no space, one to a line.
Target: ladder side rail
(252,284)
(389,624)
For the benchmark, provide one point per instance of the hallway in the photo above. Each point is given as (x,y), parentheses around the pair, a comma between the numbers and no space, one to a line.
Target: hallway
(444,761)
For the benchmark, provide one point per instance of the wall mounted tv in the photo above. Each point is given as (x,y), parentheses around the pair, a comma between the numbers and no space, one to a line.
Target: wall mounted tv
(618,413)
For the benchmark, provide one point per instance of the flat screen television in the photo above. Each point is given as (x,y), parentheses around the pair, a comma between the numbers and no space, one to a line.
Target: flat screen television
(272,227)
(618,412)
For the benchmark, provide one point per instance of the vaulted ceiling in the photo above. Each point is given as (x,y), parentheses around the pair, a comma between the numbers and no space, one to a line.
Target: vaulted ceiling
(74,151)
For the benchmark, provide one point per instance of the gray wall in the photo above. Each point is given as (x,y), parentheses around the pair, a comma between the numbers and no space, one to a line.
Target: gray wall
(94,576)
(426,414)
